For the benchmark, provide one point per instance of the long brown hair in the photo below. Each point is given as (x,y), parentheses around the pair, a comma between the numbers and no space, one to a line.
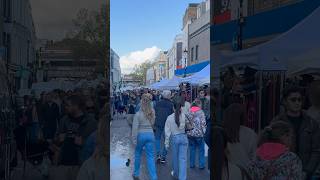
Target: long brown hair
(233,117)
(177,104)
(146,107)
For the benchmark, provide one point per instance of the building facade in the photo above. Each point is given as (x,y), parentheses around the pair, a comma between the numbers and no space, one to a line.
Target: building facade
(59,64)
(190,16)
(115,70)
(175,56)
(129,80)
(160,66)
(150,76)
(199,35)
(18,39)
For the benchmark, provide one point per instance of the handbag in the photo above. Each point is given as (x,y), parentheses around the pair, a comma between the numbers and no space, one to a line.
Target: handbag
(189,122)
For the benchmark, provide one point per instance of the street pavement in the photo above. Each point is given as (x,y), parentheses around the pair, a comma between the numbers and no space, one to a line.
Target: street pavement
(121,149)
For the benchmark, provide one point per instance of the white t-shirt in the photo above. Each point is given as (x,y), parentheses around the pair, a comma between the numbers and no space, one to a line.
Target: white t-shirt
(242,152)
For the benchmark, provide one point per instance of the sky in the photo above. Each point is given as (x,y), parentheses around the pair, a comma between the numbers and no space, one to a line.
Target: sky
(53,18)
(139,29)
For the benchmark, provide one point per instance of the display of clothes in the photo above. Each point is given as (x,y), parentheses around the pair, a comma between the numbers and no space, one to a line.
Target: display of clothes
(272,85)
(270,97)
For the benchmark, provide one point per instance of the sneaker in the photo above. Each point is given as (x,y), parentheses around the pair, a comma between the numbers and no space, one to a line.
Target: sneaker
(158,159)
(163,160)
(135,177)
(202,168)
(172,174)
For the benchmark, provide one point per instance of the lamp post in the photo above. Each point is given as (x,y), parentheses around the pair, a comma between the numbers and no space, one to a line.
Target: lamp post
(185,61)
(240,23)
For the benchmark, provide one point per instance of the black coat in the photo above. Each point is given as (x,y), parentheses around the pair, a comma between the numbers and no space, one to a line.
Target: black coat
(50,115)
(163,109)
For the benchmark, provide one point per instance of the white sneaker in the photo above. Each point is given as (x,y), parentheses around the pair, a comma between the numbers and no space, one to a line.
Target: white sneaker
(172,174)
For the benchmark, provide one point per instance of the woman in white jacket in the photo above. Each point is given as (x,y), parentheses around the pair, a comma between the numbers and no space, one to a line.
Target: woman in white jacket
(242,141)
(175,131)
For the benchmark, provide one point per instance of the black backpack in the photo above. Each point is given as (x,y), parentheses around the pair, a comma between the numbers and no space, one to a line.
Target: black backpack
(69,154)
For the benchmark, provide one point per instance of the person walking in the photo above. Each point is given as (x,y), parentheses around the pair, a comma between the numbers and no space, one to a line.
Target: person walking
(74,130)
(224,169)
(50,117)
(306,130)
(143,136)
(205,104)
(131,109)
(186,105)
(163,109)
(175,131)
(274,158)
(196,135)
(242,141)
(95,167)
(314,110)
(314,98)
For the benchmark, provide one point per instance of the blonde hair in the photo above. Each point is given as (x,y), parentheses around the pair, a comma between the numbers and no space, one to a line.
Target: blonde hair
(146,107)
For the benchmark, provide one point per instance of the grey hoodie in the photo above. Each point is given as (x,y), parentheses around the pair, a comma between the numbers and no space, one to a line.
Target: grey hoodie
(140,124)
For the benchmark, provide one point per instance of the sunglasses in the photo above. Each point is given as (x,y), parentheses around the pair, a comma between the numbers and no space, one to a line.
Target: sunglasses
(295,99)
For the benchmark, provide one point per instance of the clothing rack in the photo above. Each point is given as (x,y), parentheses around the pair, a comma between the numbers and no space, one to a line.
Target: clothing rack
(269,85)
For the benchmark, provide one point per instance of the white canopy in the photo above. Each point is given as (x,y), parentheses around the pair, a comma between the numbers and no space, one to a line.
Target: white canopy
(170,84)
(199,78)
(158,84)
(308,63)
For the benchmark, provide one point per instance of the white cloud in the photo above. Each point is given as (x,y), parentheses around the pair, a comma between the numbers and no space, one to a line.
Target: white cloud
(127,62)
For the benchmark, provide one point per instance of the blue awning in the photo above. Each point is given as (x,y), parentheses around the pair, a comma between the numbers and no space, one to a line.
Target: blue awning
(191,69)
(266,23)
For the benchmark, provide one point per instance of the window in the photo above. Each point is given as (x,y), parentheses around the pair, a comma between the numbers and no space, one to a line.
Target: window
(191,54)
(111,62)
(111,77)
(197,48)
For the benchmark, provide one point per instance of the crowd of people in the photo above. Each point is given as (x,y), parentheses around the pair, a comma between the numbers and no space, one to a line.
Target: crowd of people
(163,120)
(287,148)
(66,130)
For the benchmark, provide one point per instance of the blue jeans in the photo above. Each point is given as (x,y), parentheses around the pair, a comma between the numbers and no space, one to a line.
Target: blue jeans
(179,155)
(146,141)
(194,144)
(159,133)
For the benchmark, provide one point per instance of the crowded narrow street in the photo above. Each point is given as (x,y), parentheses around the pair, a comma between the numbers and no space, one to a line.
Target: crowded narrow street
(121,149)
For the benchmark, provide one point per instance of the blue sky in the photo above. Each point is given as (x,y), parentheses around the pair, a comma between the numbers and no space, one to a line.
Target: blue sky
(140,26)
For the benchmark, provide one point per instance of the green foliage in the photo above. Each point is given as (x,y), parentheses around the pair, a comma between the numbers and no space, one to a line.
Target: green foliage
(140,71)
(88,38)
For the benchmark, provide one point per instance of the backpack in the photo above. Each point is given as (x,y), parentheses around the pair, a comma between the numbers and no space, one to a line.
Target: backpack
(189,122)
(69,153)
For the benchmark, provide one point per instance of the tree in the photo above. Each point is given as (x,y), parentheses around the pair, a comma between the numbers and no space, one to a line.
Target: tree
(88,38)
(140,71)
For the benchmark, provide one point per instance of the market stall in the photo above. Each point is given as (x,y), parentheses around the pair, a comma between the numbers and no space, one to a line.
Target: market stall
(247,79)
